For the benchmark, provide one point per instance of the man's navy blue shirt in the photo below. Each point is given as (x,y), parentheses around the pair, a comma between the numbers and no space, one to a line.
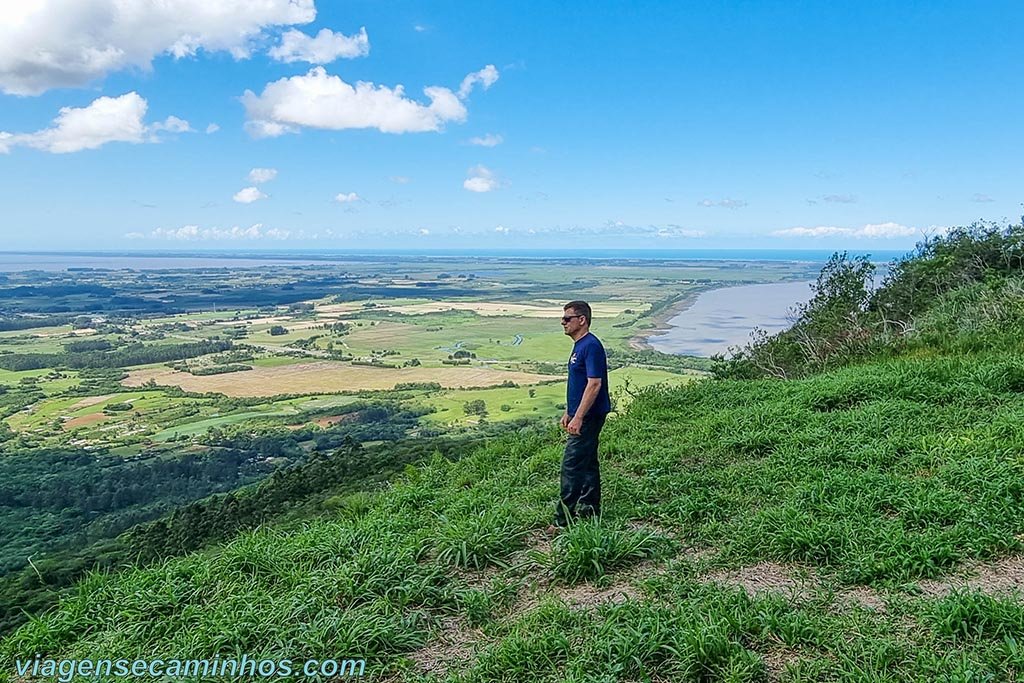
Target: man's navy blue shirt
(587,360)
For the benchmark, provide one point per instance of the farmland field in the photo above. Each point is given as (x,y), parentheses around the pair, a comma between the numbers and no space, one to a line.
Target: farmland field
(320,330)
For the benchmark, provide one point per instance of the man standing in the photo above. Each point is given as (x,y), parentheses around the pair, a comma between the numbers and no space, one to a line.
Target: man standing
(586,406)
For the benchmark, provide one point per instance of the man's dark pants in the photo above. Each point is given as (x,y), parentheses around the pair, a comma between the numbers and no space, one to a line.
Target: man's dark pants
(581,477)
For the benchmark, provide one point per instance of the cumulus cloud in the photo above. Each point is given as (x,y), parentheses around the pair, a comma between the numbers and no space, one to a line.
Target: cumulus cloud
(869,231)
(488,140)
(818,231)
(501,229)
(621,229)
(481,179)
(212,128)
(320,100)
(248,195)
(723,203)
(486,76)
(344,198)
(106,119)
(324,48)
(885,230)
(193,233)
(262,175)
(670,231)
(48,44)
(424,231)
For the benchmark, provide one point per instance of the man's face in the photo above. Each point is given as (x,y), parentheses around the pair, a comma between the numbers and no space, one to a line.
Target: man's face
(572,322)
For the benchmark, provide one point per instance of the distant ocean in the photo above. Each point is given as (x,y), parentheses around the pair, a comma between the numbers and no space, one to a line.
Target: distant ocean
(153,260)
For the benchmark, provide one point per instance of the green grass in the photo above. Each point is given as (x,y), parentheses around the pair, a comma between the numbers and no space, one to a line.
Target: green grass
(202,426)
(547,398)
(878,475)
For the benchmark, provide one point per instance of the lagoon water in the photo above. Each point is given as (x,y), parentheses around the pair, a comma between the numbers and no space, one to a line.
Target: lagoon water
(725,317)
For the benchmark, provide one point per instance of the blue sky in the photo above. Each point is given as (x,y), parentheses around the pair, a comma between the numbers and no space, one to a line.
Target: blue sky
(655,125)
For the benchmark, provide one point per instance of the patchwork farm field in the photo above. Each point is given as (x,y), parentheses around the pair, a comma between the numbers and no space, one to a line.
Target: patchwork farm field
(425,335)
(325,377)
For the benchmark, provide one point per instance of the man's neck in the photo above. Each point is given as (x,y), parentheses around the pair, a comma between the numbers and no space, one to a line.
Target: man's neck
(580,335)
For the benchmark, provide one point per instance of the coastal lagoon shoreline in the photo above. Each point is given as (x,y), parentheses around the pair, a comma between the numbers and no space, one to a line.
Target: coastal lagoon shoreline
(727,321)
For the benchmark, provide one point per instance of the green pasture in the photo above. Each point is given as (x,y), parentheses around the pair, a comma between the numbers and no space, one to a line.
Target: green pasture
(275,360)
(202,426)
(547,398)
(294,407)
(68,379)
(489,337)
(45,412)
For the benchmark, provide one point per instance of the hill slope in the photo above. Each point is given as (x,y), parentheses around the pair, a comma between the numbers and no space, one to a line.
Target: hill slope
(751,526)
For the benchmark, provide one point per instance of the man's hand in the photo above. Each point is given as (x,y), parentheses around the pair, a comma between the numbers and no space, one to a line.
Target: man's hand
(575,425)
(565,421)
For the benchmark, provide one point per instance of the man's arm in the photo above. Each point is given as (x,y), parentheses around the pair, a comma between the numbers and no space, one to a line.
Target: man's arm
(589,396)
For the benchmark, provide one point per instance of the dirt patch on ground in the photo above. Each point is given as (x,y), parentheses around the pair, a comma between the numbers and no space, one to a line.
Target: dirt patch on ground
(862,596)
(89,401)
(767,577)
(589,596)
(451,647)
(332,420)
(795,584)
(326,377)
(84,421)
(776,661)
(999,577)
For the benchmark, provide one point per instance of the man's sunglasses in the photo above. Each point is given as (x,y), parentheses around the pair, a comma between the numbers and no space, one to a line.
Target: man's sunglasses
(567,318)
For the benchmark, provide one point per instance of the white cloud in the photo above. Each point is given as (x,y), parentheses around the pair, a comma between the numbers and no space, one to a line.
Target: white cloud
(481,179)
(262,175)
(501,229)
(319,100)
(326,47)
(885,230)
(424,231)
(212,128)
(343,198)
(193,233)
(488,140)
(106,119)
(172,124)
(486,76)
(819,231)
(723,203)
(670,231)
(869,231)
(419,28)
(400,179)
(248,195)
(983,198)
(48,44)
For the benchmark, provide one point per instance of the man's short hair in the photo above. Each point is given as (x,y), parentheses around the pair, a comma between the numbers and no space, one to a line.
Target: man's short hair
(579,308)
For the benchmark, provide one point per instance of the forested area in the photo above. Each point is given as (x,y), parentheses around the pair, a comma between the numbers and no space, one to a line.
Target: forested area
(303,490)
(127,355)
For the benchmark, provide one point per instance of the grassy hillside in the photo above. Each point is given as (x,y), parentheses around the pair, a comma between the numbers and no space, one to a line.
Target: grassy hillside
(750,528)
(861,520)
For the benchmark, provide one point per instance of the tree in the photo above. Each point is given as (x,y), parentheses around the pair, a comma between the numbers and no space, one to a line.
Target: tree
(475,407)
